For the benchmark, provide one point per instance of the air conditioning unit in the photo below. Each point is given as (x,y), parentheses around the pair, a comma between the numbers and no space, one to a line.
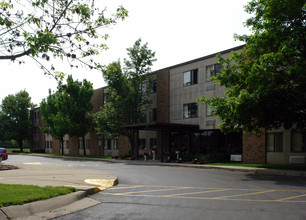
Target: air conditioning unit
(236,157)
(297,159)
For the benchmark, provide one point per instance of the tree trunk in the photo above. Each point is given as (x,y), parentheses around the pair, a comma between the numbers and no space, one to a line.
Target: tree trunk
(136,143)
(131,139)
(84,147)
(62,143)
(20,144)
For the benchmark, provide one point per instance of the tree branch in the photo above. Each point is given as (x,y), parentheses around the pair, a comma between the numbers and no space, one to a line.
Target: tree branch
(13,57)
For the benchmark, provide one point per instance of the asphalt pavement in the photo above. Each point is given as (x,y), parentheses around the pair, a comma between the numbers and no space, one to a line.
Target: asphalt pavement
(87,182)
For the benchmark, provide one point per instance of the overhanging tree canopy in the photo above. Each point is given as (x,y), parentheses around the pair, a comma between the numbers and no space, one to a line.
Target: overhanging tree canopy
(43,29)
(266,81)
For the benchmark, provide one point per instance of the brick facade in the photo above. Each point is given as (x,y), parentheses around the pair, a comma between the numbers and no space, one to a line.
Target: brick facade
(254,148)
(168,101)
(163,97)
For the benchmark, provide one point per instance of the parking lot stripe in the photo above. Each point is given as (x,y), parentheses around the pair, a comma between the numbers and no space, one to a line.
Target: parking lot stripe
(155,190)
(200,192)
(288,198)
(245,194)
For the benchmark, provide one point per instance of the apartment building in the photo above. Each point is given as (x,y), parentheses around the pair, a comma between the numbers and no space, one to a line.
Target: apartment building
(176,123)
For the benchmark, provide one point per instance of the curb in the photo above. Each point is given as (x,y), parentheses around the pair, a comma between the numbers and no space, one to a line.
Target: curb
(28,209)
(41,206)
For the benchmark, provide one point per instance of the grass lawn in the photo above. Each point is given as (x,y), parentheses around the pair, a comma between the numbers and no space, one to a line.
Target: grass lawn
(17,150)
(271,166)
(13,194)
(71,155)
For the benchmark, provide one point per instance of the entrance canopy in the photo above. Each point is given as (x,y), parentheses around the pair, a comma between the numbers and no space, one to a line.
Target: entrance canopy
(163,127)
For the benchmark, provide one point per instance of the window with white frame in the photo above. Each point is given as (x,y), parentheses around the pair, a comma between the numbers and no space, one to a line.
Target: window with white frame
(105,97)
(154,86)
(87,144)
(153,115)
(190,77)
(144,117)
(107,144)
(212,70)
(115,144)
(297,142)
(99,143)
(144,88)
(190,110)
(274,142)
(66,146)
(208,110)
(153,143)
(141,143)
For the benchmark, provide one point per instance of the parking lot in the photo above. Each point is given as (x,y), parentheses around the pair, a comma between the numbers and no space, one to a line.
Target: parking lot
(205,193)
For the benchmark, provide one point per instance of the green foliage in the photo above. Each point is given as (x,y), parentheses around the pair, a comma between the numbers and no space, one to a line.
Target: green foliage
(77,106)
(126,97)
(266,81)
(15,120)
(44,29)
(67,111)
(53,117)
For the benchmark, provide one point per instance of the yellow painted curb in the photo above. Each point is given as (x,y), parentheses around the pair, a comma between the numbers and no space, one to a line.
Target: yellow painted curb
(101,183)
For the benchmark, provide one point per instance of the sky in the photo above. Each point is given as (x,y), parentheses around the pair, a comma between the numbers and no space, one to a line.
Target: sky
(177,30)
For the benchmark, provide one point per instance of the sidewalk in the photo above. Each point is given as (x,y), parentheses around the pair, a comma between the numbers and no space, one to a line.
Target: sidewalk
(86,181)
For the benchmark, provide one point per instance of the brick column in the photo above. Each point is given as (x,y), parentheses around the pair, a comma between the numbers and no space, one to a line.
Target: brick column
(254,148)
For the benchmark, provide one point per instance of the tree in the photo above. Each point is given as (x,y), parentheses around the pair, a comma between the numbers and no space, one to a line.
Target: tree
(77,104)
(15,117)
(67,111)
(55,121)
(127,96)
(266,81)
(42,29)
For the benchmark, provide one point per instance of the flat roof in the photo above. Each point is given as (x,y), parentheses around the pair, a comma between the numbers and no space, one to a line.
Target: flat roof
(201,58)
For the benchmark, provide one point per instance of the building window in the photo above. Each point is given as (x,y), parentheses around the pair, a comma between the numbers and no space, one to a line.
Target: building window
(190,77)
(297,143)
(153,143)
(141,143)
(115,144)
(87,144)
(80,144)
(105,97)
(66,146)
(153,115)
(212,70)
(154,86)
(99,143)
(208,110)
(274,142)
(47,144)
(107,144)
(190,110)
(144,117)
(144,88)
